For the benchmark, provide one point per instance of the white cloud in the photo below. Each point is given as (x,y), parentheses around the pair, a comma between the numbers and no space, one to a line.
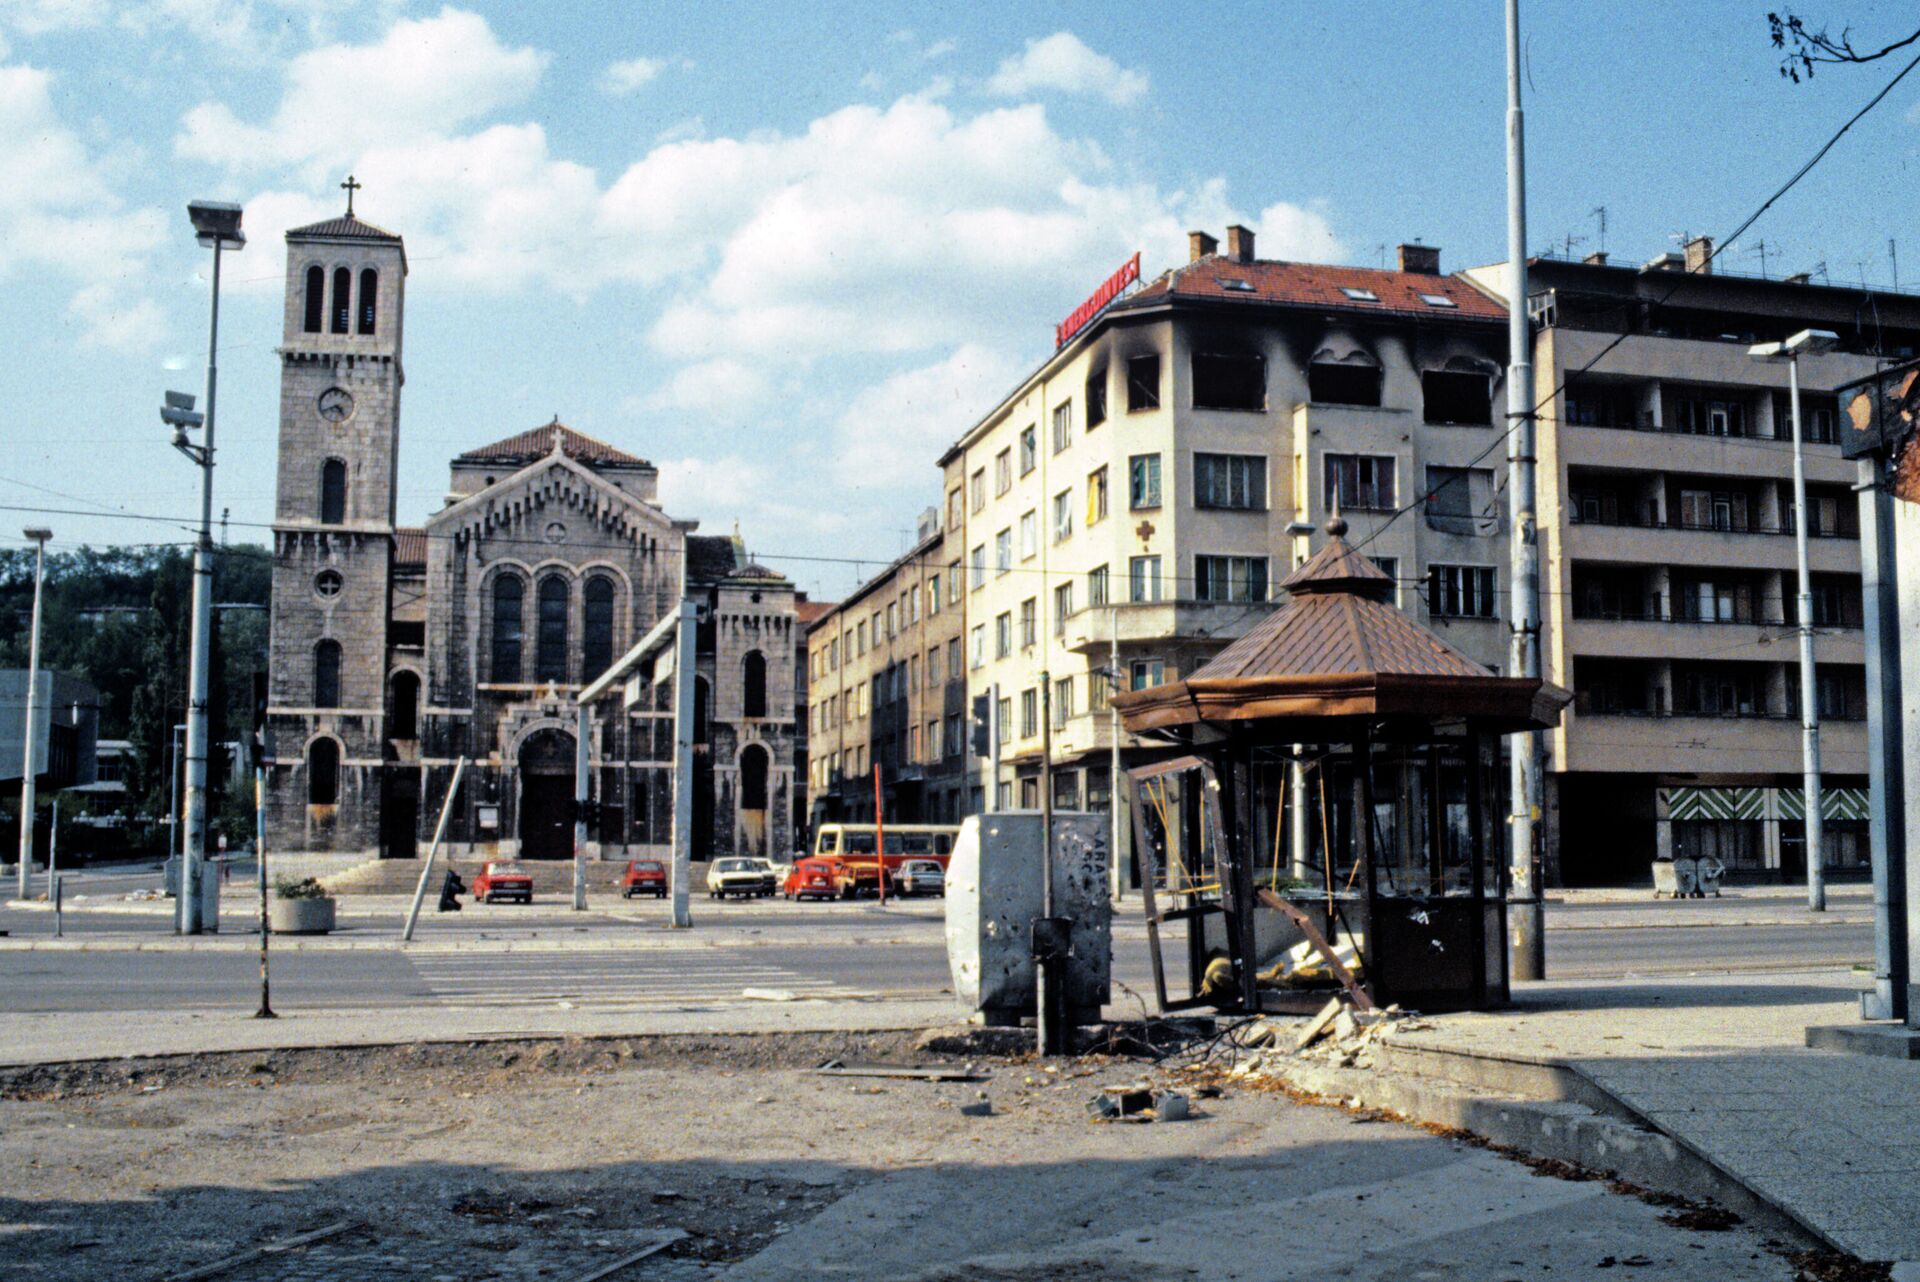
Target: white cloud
(1062,63)
(634,74)
(716,389)
(886,440)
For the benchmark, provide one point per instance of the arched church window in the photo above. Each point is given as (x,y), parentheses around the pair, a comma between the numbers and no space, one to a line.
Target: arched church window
(342,307)
(333,492)
(596,639)
(753,778)
(326,674)
(754,684)
(316,299)
(403,721)
(507,597)
(369,298)
(323,772)
(550,652)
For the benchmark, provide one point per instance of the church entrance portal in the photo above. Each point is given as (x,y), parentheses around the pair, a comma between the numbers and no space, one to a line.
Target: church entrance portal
(546,796)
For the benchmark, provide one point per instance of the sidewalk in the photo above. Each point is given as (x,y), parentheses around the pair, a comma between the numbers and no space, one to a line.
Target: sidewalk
(1720,1064)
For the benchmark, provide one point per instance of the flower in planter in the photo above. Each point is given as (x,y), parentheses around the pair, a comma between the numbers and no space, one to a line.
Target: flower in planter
(305,889)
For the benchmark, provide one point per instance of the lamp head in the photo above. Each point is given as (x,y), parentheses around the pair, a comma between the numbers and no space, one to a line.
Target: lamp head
(38,533)
(217,222)
(1807,342)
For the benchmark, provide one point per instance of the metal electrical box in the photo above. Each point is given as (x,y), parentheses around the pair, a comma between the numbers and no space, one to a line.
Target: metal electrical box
(994,893)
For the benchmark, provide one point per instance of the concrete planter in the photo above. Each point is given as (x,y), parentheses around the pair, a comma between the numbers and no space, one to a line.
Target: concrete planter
(300,916)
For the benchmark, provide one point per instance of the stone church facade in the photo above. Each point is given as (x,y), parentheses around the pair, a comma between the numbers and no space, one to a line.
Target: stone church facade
(397,651)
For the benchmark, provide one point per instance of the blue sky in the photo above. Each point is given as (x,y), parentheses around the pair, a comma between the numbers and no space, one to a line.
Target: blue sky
(790,251)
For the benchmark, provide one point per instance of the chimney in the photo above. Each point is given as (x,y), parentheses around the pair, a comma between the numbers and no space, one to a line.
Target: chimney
(1199,245)
(1700,254)
(1800,278)
(1598,258)
(1424,259)
(1239,243)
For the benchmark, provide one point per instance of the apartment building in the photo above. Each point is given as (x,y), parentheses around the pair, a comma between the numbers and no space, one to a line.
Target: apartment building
(887,689)
(1666,519)
(1131,505)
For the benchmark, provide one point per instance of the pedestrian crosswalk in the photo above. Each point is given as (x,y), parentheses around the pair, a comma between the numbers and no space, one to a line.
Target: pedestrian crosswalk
(612,977)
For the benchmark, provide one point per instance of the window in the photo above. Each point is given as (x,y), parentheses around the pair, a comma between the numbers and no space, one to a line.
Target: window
(1457,397)
(913,673)
(596,628)
(1029,793)
(333,492)
(1002,472)
(1389,566)
(1097,586)
(1096,496)
(977,490)
(953,581)
(1461,591)
(1143,481)
(1029,535)
(342,309)
(326,674)
(1816,420)
(507,596)
(933,596)
(953,659)
(893,619)
(1029,713)
(1063,516)
(1144,579)
(1460,500)
(1143,383)
(977,645)
(979,566)
(956,508)
(1003,552)
(1438,300)
(316,300)
(933,667)
(1229,381)
(1233,481)
(1062,607)
(1096,398)
(1062,426)
(323,772)
(550,636)
(1714,510)
(1359,295)
(369,298)
(1062,702)
(1003,635)
(1029,449)
(1361,481)
(753,683)
(1707,416)
(1099,692)
(1144,674)
(934,746)
(753,778)
(1029,622)
(1351,383)
(1003,712)
(860,636)
(1230,578)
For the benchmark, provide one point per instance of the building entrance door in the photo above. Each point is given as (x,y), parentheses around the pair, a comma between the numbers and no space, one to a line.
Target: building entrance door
(546,796)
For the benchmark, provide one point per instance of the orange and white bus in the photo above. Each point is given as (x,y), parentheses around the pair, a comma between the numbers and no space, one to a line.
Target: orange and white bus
(904,841)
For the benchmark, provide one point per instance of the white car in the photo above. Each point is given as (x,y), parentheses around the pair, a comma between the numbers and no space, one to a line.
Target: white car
(920,877)
(747,878)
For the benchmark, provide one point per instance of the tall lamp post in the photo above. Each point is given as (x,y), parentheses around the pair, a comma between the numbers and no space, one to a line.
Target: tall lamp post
(1789,352)
(28,763)
(217,227)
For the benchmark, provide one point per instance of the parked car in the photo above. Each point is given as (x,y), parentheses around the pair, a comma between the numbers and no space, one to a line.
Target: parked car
(811,879)
(857,877)
(747,878)
(503,881)
(918,877)
(644,877)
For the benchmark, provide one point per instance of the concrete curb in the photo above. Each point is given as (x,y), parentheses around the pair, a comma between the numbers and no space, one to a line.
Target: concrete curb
(293,943)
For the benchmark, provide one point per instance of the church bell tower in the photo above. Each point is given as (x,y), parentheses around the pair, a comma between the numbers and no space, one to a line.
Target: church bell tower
(340,380)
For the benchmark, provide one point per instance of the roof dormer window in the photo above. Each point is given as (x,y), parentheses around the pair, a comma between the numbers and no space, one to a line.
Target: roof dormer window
(1360,295)
(1438,300)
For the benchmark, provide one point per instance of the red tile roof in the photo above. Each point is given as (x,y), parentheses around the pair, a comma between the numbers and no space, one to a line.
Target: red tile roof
(811,612)
(537,442)
(409,546)
(1317,286)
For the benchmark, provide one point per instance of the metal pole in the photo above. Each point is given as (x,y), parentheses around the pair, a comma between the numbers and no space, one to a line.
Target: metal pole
(191,869)
(260,876)
(439,830)
(1302,868)
(880,834)
(59,904)
(176,846)
(29,759)
(1049,1022)
(1528,920)
(683,730)
(53,846)
(1114,828)
(1809,700)
(582,767)
(993,748)
(1886,779)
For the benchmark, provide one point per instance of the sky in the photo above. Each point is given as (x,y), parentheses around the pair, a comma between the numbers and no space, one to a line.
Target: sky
(790,252)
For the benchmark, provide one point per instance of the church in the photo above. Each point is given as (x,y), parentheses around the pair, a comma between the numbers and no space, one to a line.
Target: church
(396,651)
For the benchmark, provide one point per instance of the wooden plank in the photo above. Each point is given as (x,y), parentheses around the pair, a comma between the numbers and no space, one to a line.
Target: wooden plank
(668,1239)
(263,1252)
(1355,990)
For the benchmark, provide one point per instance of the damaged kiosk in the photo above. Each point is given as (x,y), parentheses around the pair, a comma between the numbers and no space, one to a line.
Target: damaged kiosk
(1323,809)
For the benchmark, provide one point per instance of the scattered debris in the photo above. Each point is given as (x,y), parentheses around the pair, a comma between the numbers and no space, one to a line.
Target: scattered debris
(1704,1219)
(279,1247)
(661,1242)
(912,1072)
(979,1108)
(769,994)
(1170,1106)
(1138,1103)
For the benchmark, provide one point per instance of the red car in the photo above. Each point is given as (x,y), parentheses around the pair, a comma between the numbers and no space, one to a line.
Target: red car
(503,881)
(644,877)
(813,879)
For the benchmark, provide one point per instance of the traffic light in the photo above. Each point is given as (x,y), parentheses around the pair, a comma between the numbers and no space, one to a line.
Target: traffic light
(258,746)
(981,727)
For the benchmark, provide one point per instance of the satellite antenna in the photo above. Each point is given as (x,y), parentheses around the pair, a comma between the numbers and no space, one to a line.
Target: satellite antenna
(1600,212)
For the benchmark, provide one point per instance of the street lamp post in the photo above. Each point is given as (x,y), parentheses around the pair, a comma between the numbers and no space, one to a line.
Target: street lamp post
(1788,352)
(28,763)
(217,227)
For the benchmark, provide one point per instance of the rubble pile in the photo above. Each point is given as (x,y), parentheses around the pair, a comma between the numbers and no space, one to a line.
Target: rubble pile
(1338,1034)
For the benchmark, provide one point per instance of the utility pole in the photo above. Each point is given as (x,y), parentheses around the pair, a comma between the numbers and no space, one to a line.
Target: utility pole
(1528,918)
(1049,933)
(582,768)
(1886,773)
(30,759)
(686,632)
(1114,826)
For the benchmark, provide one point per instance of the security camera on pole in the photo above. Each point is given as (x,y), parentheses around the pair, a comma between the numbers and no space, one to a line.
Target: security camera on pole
(217,226)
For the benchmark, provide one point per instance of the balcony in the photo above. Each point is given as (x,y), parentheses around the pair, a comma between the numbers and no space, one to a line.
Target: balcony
(1154,622)
(1679,743)
(1683,545)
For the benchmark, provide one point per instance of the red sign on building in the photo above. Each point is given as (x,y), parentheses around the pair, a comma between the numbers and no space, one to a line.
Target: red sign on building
(1077,319)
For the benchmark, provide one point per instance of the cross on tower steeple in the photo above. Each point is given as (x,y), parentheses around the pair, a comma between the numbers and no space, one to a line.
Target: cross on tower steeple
(350,186)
